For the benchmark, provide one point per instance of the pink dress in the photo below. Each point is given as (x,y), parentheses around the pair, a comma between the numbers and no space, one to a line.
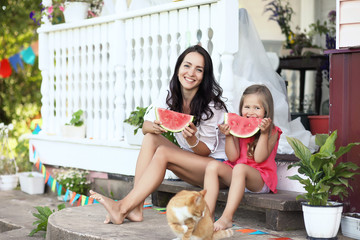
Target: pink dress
(267,168)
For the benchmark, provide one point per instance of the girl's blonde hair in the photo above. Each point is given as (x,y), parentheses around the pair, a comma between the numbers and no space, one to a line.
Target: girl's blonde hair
(267,102)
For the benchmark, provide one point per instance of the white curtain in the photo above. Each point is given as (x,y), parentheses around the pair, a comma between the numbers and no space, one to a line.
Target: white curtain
(252,66)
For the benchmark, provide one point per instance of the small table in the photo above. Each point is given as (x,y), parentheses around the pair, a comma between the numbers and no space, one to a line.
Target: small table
(303,63)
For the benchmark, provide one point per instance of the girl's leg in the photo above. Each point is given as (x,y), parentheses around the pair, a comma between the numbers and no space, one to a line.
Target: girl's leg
(190,165)
(242,176)
(215,170)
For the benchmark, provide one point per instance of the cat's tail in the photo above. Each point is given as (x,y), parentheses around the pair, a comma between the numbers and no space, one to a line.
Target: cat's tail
(223,234)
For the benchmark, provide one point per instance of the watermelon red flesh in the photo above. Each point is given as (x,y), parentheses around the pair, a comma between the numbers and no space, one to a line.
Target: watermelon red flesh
(173,121)
(242,127)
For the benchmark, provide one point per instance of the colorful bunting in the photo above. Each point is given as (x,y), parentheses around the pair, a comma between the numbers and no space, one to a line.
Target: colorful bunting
(36,130)
(15,60)
(67,193)
(5,69)
(57,187)
(35,47)
(28,55)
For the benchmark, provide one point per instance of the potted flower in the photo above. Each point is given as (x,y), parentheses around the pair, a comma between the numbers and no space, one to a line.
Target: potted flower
(75,128)
(324,177)
(73,10)
(8,169)
(32,182)
(73,179)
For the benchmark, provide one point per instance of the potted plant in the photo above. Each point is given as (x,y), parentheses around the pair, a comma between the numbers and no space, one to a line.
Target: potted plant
(73,10)
(133,124)
(75,128)
(324,177)
(350,225)
(76,180)
(32,182)
(8,169)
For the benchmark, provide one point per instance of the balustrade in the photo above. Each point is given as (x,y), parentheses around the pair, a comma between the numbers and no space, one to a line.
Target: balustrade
(107,66)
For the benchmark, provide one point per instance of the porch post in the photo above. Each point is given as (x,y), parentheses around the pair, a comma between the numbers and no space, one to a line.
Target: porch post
(227,37)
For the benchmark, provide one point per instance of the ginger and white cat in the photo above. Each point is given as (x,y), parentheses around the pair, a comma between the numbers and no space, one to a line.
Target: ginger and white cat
(189,217)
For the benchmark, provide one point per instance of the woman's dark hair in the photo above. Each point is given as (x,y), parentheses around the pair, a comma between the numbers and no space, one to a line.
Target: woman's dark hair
(209,89)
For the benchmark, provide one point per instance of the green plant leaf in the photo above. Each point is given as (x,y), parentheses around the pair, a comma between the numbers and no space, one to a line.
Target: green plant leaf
(320,139)
(43,216)
(302,152)
(329,145)
(343,150)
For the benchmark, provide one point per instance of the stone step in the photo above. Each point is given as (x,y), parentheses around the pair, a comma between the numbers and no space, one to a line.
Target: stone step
(283,211)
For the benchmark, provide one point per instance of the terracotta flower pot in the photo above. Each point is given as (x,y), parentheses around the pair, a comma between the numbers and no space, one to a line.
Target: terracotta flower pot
(319,124)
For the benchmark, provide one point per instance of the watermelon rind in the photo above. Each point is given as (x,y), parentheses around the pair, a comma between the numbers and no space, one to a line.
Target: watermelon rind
(248,134)
(174,129)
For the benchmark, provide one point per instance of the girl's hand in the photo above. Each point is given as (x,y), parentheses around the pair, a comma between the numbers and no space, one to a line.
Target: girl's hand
(224,129)
(157,128)
(265,125)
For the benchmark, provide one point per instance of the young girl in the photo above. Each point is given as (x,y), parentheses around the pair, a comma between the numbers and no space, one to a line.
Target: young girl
(193,90)
(251,161)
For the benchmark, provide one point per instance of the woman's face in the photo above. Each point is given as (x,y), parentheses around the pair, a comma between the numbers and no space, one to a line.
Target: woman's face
(252,106)
(191,71)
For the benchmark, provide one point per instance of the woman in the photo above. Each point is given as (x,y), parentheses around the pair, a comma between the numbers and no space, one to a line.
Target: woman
(192,90)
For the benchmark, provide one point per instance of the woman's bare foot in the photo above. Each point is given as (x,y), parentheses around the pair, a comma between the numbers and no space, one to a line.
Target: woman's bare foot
(135,215)
(222,224)
(113,208)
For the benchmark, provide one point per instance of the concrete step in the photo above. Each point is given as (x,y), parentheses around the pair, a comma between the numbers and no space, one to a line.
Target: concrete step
(86,223)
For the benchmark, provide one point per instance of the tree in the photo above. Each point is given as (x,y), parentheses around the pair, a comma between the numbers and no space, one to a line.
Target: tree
(20,97)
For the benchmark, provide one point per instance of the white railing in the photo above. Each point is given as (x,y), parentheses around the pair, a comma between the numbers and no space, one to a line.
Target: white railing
(109,65)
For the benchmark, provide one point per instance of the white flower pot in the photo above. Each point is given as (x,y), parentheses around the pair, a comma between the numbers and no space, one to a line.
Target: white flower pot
(70,131)
(322,221)
(8,182)
(350,226)
(130,137)
(75,11)
(32,182)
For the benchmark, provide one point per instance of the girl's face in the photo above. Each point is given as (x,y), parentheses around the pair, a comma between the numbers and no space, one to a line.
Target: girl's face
(191,71)
(253,106)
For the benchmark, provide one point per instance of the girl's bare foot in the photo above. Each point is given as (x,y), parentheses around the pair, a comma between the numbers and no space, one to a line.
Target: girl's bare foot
(113,208)
(222,224)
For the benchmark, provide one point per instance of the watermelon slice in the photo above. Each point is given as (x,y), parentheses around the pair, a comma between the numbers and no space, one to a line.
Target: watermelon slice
(173,121)
(242,127)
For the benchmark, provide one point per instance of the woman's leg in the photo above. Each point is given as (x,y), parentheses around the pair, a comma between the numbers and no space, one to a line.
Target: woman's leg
(242,176)
(215,170)
(190,165)
(149,145)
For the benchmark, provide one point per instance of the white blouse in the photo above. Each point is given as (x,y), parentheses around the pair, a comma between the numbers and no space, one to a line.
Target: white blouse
(208,130)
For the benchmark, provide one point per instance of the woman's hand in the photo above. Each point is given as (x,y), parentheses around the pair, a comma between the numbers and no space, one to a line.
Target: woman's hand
(189,133)
(224,129)
(157,128)
(265,125)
